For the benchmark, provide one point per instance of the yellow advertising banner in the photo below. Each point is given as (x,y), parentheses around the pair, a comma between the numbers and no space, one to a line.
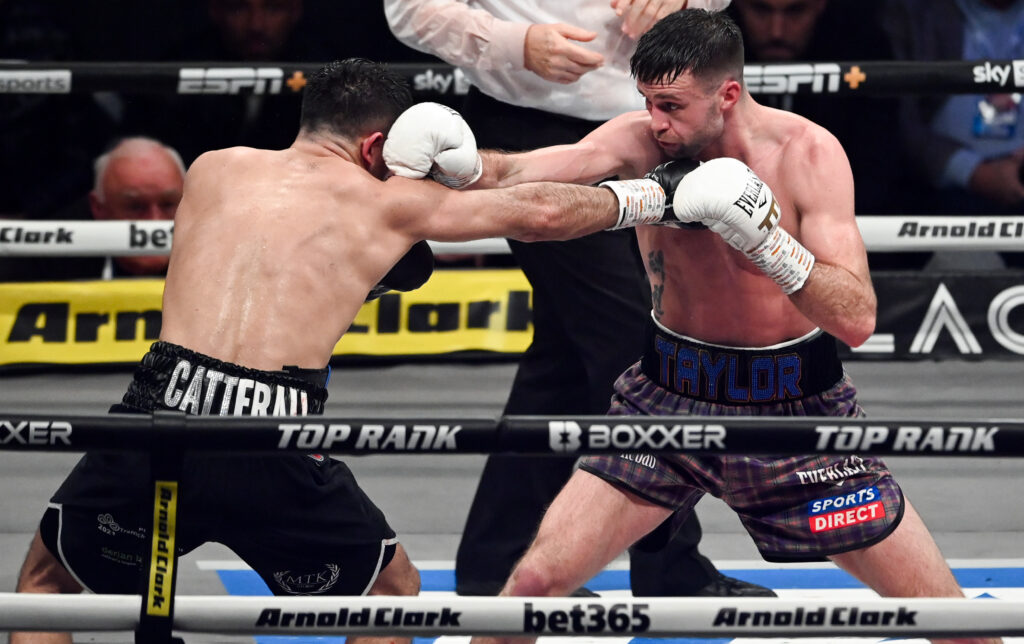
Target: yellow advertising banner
(115,321)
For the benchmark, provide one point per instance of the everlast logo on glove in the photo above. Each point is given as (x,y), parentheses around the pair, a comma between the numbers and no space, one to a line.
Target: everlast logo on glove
(754,198)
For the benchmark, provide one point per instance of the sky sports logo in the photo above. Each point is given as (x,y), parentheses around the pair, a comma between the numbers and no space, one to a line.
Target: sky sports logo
(56,81)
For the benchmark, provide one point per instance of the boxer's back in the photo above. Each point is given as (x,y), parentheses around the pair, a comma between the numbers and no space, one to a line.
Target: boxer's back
(273,254)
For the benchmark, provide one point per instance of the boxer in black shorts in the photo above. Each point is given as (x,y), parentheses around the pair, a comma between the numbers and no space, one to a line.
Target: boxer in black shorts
(300,521)
(275,252)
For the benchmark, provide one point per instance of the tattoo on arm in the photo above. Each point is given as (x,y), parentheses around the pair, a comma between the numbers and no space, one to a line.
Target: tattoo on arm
(656,271)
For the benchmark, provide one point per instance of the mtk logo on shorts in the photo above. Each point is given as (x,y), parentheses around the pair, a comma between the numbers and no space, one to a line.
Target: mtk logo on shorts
(308,583)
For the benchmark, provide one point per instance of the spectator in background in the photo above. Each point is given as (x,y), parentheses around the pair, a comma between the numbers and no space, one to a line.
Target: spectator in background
(969,147)
(235,31)
(547,73)
(139,179)
(47,141)
(791,31)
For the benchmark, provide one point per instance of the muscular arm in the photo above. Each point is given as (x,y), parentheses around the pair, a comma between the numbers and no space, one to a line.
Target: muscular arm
(622,147)
(838,295)
(528,212)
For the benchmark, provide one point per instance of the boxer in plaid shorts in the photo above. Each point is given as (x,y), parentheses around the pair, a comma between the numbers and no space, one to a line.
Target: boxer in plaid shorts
(796,508)
(750,288)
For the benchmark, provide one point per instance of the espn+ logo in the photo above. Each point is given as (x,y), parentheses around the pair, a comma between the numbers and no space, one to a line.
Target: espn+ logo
(230,80)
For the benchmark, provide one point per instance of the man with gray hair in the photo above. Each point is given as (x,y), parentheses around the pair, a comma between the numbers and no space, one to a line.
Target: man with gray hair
(137,179)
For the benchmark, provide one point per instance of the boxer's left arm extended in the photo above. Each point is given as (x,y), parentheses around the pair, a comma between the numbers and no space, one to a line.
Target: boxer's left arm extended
(432,140)
(538,211)
(623,147)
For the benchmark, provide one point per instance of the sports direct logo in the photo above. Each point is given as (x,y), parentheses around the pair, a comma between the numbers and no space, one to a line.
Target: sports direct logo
(846,510)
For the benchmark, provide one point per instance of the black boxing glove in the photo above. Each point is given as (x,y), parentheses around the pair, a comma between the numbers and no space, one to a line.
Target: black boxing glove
(409,273)
(649,200)
(668,175)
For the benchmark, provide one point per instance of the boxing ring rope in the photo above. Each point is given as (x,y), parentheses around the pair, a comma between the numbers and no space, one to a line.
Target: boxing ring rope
(553,435)
(561,616)
(925,233)
(167,435)
(219,78)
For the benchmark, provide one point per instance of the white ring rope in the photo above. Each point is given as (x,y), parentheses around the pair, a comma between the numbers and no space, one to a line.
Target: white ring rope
(20,237)
(429,616)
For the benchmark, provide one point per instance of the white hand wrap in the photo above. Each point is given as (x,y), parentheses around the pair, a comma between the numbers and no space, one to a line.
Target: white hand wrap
(784,259)
(641,201)
(433,139)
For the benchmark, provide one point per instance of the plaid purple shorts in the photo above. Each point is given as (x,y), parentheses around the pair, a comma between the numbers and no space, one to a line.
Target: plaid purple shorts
(797,508)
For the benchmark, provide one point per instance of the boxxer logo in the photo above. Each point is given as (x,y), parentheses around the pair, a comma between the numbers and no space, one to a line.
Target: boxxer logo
(35,432)
(564,436)
(568,436)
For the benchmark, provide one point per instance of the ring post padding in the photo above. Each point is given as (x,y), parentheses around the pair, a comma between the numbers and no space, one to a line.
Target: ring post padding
(160,562)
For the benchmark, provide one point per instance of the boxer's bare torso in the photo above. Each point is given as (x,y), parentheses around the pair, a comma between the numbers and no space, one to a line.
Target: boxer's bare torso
(275,251)
(703,288)
(273,254)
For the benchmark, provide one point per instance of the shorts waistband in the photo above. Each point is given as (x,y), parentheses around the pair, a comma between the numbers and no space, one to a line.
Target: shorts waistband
(740,376)
(173,377)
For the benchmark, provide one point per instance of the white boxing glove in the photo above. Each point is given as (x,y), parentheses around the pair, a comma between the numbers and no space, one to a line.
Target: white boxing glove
(433,139)
(727,197)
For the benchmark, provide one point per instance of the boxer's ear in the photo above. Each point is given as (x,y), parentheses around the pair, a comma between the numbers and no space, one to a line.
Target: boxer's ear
(371,154)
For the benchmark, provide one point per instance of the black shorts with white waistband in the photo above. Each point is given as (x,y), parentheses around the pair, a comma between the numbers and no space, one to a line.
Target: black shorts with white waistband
(299,520)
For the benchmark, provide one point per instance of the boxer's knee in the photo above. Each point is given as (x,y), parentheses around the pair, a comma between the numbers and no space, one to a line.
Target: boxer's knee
(534,578)
(42,573)
(399,577)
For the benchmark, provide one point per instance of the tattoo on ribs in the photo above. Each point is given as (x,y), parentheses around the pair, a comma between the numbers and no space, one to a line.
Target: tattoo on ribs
(656,269)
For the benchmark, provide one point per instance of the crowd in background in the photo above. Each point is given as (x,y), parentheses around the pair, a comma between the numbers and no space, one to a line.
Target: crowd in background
(944,155)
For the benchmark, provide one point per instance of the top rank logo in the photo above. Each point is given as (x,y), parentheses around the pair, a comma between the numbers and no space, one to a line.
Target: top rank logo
(230,80)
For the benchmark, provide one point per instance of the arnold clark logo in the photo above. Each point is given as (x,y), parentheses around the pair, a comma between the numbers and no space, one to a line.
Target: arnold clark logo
(569,436)
(732,617)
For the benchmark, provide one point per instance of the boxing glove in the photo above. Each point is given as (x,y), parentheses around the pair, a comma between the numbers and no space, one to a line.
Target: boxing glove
(430,139)
(727,197)
(409,273)
(668,175)
(649,200)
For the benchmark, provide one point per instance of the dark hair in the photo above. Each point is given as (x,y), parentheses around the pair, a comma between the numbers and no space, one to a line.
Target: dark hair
(705,43)
(353,97)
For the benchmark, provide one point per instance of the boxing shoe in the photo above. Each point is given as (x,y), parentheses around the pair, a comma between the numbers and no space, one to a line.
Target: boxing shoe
(724,586)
